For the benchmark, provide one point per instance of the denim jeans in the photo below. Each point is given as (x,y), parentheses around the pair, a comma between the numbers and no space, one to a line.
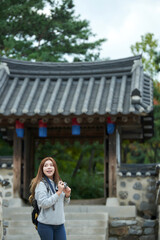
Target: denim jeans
(51,232)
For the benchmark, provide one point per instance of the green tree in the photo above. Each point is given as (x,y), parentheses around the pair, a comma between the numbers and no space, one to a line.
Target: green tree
(81,165)
(155,141)
(149,151)
(28,33)
(148,47)
(5,148)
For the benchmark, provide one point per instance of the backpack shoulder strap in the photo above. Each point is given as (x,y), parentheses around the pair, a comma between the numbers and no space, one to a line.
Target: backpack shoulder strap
(49,183)
(46,184)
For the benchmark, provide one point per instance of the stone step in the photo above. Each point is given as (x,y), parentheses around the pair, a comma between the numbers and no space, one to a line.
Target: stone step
(79,230)
(113,211)
(7,210)
(24,237)
(20,217)
(71,237)
(87,237)
(73,208)
(69,209)
(86,208)
(22,231)
(87,222)
(68,216)
(24,223)
(87,216)
(85,231)
(69,223)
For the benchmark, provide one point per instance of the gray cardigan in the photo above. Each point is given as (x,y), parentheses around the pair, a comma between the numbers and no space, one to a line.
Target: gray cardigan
(46,200)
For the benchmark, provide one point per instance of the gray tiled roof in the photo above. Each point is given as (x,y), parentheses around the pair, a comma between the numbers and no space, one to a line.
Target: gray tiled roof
(144,169)
(107,87)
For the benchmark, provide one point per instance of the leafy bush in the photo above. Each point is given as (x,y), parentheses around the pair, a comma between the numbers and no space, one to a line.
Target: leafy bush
(80,165)
(5,148)
(85,186)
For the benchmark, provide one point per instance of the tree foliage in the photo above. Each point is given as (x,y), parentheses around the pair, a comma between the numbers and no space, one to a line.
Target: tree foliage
(5,148)
(148,47)
(85,176)
(149,151)
(27,32)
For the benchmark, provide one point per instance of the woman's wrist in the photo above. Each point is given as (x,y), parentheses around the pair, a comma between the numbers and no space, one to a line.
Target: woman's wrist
(59,192)
(67,196)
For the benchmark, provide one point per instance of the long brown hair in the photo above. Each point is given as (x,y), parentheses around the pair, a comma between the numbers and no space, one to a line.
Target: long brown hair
(40,175)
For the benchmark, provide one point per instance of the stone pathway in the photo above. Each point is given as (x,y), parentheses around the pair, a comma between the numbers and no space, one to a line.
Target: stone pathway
(81,222)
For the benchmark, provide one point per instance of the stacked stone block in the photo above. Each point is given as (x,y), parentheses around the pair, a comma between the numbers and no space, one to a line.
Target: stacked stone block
(139,191)
(7,174)
(1,217)
(133,229)
(6,193)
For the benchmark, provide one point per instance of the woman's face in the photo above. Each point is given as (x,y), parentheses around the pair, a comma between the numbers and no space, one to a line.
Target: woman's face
(49,169)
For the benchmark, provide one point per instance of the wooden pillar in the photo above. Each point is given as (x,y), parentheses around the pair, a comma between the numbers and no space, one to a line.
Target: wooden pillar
(106,161)
(17,159)
(112,164)
(28,168)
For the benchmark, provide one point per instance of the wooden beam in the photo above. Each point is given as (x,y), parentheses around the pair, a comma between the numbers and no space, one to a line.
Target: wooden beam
(28,168)
(112,164)
(106,164)
(118,146)
(17,158)
(56,133)
(132,136)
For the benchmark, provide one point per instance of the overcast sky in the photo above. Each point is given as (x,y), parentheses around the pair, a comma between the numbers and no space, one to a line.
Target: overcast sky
(122,22)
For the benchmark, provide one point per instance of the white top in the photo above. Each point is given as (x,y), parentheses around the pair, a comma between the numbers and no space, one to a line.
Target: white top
(51,205)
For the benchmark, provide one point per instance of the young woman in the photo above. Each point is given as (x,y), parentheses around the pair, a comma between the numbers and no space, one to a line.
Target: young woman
(51,217)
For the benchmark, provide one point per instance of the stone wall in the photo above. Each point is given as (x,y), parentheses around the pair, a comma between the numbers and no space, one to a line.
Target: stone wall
(6,193)
(1,217)
(158,222)
(158,199)
(137,187)
(133,229)
(7,174)
(139,190)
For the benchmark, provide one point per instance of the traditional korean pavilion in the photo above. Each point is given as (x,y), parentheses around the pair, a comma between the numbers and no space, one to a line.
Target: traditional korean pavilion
(108,100)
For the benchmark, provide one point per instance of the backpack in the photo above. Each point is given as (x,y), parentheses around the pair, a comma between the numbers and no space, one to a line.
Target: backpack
(35,212)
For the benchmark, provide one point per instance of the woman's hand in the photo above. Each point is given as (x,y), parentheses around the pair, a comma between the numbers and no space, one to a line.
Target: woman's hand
(67,191)
(60,187)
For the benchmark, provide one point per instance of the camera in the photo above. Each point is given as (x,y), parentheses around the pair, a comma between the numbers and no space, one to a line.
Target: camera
(65,185)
